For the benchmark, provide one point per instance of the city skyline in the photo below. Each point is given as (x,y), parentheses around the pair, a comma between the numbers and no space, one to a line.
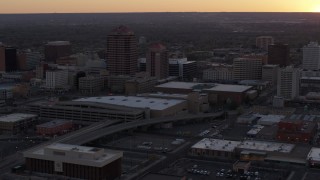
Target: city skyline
(98,6)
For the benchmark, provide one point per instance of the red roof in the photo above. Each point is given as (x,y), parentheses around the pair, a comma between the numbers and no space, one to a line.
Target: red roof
(157,46)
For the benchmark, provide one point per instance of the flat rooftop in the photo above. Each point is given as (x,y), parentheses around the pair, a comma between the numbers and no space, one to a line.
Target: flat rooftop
(205,86)
(163,95)
(314,154)
(266,146)
(82,155)
(230,88)
(134,101)
(255,130)
(179,85)
(16,117)
(272,118)
(301,117)
(216,144)
(53,123)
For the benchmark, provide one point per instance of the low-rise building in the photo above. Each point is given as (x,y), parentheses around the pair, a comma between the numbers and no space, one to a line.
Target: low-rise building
(91,84)
(117,84)
(254,130)
(56,79)
(217,93)
(75,161)
(140,85)
(54,127)
(273,110)
(270,73)
(218,73)
(215,148)
(246,150)
(196,102)
(297,128)
(313,158)
(241,166)
(17,122)
(309,84)
(6,93)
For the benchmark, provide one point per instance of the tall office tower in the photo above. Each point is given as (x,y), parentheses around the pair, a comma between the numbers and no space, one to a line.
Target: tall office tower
(288,82)
(279,54)
(122,52)
(11,61)
(157,62)
(2,58)
(263,42)
(311,56)
(270,73)
(56,49)
(247,69)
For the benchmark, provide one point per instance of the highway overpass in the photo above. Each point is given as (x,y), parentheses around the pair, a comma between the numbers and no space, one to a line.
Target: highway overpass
(89,136)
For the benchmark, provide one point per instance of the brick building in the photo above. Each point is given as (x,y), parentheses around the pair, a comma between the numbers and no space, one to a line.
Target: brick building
(54,127)
(297,129)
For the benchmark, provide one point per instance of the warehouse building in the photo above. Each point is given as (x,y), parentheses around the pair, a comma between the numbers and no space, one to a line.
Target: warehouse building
(75,161)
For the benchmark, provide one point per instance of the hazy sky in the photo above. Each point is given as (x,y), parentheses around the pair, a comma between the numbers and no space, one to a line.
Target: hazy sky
(51,6)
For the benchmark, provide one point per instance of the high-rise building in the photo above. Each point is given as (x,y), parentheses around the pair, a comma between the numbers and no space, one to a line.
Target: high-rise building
(247,69)
(157,62)
(122,53)
(311,56)
(263,42)
(56,49)
(270,73)
(8,59)
(11,61)
(279,54)
(288,82)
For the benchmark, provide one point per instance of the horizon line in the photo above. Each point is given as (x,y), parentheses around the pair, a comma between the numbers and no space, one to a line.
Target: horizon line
(159,12)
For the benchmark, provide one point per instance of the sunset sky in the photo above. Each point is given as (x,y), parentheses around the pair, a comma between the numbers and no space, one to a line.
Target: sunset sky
(72,6)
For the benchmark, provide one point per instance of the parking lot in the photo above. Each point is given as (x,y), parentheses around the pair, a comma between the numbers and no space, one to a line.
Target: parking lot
(133,161)
(148,142)
(208,170)
(193,129)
